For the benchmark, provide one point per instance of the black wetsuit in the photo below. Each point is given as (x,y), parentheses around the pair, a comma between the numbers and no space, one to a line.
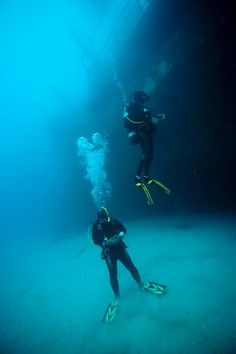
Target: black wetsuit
(115,252)
(138,121)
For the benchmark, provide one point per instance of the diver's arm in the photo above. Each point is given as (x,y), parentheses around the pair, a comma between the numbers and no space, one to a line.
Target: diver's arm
(158,117)
(119,227)
(113,240)
(120,234)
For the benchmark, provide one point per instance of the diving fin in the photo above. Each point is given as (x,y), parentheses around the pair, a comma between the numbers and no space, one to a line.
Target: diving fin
(159,184)
(110,313)
(146,192)
(154,288)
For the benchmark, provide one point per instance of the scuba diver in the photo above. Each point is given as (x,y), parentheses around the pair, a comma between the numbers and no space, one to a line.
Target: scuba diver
(108,233)
(141,125)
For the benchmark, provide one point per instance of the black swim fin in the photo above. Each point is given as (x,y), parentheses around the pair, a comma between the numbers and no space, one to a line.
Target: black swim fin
(110,313)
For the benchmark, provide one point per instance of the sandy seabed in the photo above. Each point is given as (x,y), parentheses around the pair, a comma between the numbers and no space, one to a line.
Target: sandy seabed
(54,294)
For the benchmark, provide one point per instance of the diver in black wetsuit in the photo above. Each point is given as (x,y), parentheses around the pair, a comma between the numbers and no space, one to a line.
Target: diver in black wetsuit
(108,233)
(140,123)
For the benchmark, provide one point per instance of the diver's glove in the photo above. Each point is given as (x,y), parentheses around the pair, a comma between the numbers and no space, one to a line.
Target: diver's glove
(105,252)
(113,240)
(158,117)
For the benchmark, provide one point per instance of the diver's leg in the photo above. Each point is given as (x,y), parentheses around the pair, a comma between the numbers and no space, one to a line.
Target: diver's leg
(149,155)
(111,262)
(140,169)
(146,144)
(141,166)
(126,260)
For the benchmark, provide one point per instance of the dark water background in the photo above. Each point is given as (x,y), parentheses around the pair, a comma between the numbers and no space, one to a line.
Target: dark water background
(44,191)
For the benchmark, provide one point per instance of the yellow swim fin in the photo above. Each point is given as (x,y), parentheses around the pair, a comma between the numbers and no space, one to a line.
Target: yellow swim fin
(154,288)
(159,184)
(146,192)
(110,313)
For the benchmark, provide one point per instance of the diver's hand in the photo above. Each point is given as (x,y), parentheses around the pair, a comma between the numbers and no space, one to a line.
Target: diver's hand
(122,234)
(105,252)
(162,116)
(158,117)
(155,120)
(115,239)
